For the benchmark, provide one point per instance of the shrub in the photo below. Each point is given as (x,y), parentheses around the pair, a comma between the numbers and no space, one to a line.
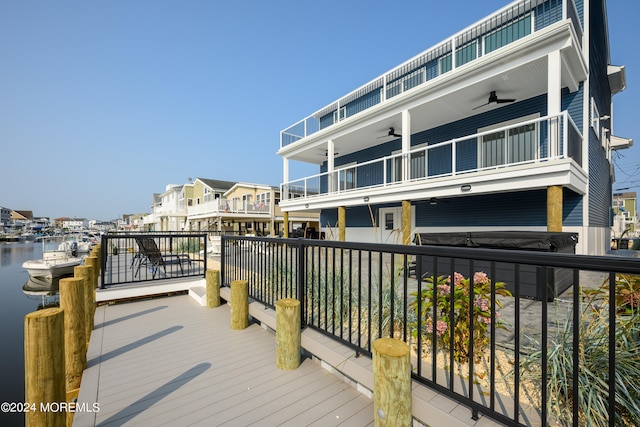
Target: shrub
(593,389)
(454,332)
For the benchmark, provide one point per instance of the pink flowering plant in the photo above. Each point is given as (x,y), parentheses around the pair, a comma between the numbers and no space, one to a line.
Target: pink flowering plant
(455,304)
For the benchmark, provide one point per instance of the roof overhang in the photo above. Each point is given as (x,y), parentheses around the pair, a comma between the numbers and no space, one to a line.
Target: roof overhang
(618,143)
(617,78)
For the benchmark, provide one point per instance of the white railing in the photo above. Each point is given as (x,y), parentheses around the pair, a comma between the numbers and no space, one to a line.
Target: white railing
(464,46)
(527,142)
(220,207)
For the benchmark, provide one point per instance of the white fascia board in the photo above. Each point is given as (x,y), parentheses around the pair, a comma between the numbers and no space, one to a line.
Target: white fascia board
(563,172)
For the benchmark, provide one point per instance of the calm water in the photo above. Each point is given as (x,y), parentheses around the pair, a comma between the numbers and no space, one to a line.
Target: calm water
(14,305)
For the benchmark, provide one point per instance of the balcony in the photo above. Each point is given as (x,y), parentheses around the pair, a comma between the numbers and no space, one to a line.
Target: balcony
(217,207)
(527,154)
(517,22)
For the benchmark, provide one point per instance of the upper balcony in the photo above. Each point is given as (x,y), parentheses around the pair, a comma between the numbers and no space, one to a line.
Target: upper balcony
(224,207)
(482,43)
(524,155)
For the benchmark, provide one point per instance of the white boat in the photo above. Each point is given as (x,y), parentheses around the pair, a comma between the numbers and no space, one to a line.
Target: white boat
(76,243)
(57,262)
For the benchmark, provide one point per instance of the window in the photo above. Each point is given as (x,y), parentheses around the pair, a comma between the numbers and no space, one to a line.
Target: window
(388,221)
(445,64)
(347,178)
(595,118)
(339,114)
(466,53)
(417,164)
(514,145)
(507,34)
(207,194)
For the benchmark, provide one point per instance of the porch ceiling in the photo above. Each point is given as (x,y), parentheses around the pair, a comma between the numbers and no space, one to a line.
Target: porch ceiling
(520,73)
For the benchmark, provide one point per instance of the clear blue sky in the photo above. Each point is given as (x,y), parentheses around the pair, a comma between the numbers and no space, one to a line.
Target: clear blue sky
(103,103)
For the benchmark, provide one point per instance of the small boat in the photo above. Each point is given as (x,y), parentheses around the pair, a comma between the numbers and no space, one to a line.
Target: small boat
(58,262)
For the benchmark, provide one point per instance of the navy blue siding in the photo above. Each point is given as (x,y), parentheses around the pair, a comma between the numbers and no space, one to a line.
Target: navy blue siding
(516,209)
(599,168)
(439,160)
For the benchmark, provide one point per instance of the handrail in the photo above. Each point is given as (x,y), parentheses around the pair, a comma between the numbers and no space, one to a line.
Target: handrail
(556,148)
(126,260)
(357,292)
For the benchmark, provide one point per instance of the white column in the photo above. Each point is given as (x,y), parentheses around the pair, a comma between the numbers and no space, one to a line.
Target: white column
(406,144)
(285,178)
(333,181)
(554,99)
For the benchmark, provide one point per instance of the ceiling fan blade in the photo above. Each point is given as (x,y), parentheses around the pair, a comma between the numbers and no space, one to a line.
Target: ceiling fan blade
(504,101)
(480,106)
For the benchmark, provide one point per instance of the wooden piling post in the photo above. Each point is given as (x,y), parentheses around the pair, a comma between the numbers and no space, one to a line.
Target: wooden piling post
(86,273)
(239,304)
(44,366)
(75,341)
(93,262)
(391,383)
(213,288)
(287,334)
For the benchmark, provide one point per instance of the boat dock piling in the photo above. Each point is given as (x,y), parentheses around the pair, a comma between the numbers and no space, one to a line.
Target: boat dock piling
(56,342)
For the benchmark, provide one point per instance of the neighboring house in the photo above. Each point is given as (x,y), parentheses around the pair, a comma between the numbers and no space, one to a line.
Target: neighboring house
(240,207)
(625,215)
(131,222)
(506,125)
(5,217)
(21,220)
(102,226)
(71,224)
(168,212)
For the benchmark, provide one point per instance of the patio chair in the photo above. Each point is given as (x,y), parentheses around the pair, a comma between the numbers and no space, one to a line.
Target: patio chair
(150,256)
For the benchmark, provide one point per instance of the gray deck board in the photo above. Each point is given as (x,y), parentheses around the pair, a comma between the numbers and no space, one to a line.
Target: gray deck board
(169,361)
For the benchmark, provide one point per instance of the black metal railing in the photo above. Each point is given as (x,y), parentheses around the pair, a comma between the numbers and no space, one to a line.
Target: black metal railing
(525,342)
(136,257)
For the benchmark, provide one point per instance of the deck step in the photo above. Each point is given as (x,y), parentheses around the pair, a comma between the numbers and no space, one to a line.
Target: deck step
(199,293)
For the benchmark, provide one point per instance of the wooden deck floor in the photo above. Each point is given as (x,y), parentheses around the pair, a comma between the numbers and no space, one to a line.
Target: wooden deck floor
(169,361)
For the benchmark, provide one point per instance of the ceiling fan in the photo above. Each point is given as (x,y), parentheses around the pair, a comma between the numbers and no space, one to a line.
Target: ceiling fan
(325,153)
(494,98)
(392,132)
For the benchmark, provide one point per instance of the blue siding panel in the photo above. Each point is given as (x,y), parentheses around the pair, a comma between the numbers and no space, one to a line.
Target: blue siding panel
(516,209)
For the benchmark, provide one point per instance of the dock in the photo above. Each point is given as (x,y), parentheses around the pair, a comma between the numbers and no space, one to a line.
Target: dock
(170,361)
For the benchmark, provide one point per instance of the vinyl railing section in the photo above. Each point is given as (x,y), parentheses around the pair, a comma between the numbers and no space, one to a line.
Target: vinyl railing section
(136,257)
(524,337)
(513,22)
(228,206)
(528,142)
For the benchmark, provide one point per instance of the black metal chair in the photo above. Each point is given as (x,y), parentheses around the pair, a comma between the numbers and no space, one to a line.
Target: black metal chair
(150,256)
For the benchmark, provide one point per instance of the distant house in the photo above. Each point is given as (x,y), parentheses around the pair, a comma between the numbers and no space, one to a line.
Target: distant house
(71,224)
(506,125)
(226,206)
(5,217)
(625,215)
(243,208)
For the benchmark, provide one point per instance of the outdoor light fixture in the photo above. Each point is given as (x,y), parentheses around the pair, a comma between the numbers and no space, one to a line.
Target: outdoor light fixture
(465,187)
(307,205)
(433,201)
(366,199)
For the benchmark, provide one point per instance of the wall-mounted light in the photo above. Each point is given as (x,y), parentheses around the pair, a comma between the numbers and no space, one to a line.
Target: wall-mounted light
(465,187)
(433,201)
(307,205)
(366,199)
